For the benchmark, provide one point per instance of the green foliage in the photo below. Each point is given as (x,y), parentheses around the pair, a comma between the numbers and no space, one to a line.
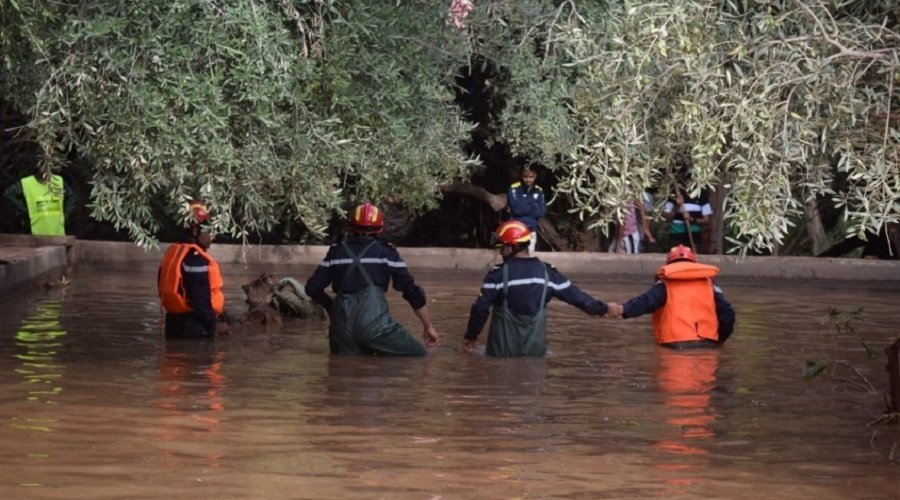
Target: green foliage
(272,111)
(840,324)
(287,110)
(766,96)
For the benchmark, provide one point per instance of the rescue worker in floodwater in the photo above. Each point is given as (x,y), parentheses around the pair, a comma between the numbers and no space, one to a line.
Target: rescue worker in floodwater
(359,271)
(190,284)
(518,290)
(689,310)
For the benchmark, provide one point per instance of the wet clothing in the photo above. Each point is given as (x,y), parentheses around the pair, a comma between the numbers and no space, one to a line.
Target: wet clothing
(696,315)
(519,290)
(526,205)
(359,272)
(190,288)
(45,204)
(697,208)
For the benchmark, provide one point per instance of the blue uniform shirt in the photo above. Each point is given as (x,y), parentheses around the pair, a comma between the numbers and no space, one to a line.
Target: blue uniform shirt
(526,205)
(382,262)
(526,285)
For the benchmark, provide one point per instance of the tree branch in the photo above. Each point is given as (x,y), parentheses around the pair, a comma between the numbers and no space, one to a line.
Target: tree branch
(842,50)
(497,202)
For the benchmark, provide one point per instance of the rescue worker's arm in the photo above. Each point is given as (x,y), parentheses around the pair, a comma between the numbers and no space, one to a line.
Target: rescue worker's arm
(429,334)
(563,289)
(415,296)
(725,314)
(195,276)
(480,310)
(647,302)
(316,284)
(403,282)
(15,197)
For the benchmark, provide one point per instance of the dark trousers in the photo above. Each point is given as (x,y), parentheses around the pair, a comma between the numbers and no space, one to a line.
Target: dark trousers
(185,325)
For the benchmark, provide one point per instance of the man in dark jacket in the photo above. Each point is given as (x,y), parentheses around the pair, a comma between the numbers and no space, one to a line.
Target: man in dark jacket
(359,271)
(525,201)
(518,290)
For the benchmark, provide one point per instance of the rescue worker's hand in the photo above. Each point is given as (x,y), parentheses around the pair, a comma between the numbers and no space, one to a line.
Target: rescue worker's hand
(430,335)
(468,345)
(614,310)
(222,328)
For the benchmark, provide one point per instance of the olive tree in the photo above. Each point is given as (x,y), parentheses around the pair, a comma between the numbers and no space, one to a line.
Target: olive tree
(272,111)
(772,100)
(287,110)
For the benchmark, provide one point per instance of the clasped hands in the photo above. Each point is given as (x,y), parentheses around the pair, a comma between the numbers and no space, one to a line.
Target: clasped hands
(614,310)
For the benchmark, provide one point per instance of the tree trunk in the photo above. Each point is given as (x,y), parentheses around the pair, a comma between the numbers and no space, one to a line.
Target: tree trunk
(717,226)
(814,225)
(497,202)
(551,236)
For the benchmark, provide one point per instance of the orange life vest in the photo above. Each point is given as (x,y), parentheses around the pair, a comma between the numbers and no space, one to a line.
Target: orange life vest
(690,310)
(171,288)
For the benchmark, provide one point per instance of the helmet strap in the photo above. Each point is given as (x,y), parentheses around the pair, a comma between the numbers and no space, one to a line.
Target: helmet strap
(515,250)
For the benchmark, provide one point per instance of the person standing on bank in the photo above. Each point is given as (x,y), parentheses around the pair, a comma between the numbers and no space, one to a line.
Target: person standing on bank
(518,290)
(689,310)
(190,284)
(359,272)
(525,201)
(46,199)
(687,216)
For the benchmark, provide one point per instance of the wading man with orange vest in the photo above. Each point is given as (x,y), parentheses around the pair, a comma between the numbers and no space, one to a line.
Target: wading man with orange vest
(190,284)
(516,292)
(689,310)
(359,271)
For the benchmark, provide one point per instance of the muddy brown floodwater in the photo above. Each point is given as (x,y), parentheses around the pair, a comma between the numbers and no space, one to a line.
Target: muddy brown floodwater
(96,404)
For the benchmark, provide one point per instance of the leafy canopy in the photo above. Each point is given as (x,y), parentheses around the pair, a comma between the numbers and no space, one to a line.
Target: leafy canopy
(286,111)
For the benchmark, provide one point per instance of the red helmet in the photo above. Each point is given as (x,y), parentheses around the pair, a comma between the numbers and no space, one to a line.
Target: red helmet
(512,232)
(367,218)
(680,253)
(198,210)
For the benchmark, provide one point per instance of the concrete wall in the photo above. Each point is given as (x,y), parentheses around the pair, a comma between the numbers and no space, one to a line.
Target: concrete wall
(480,260)
(26,260)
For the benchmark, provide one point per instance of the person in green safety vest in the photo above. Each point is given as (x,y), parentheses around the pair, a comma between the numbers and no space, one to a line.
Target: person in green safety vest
(46,200)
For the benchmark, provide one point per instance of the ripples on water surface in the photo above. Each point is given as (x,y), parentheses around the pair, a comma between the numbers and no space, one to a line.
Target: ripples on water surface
(96,405)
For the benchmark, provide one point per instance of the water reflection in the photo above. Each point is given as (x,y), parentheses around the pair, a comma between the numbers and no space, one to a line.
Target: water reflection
(38,342)
(191,383)
(686,379)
